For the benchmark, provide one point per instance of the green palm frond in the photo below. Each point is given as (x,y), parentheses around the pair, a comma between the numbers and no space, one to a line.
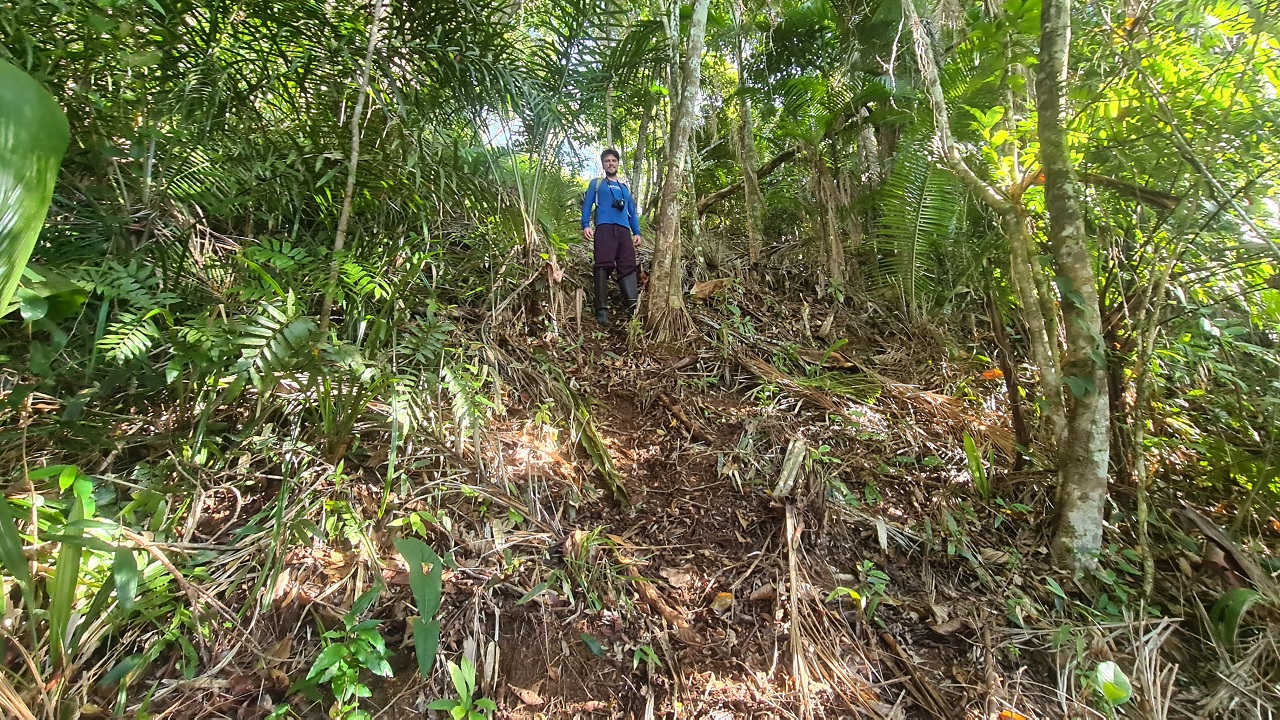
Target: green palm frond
(33,137)
(131,337)
(920,206)
(277,340)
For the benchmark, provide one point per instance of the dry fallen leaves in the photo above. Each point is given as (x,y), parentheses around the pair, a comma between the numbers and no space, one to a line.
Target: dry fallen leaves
(678,577)
(528,697)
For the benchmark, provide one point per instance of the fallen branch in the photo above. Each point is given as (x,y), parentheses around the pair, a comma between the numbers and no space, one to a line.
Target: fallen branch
(923,692)
(644,588)
(1259,577)
(678,413)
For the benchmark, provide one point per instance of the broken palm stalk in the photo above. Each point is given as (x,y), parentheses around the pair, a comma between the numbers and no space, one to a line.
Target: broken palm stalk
(585,427)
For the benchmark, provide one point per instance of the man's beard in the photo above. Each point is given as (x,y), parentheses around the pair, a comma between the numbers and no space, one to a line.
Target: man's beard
(611,174)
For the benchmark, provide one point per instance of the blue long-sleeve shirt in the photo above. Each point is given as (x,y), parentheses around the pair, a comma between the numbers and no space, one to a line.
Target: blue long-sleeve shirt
(600,195)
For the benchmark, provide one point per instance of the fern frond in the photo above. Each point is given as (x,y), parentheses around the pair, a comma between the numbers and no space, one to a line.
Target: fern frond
(364,283)
(920,206)
(131,337)
(275,341)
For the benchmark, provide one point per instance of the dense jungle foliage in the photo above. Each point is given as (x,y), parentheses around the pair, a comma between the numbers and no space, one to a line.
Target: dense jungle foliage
(959,347)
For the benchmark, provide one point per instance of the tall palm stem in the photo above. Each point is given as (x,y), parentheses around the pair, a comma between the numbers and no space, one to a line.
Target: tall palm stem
(340,237)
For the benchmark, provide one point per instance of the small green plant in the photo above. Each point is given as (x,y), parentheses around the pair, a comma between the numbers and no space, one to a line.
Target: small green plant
(977,470)
(822,454)
(645,654)
(590,571)
(427,588)
(467,706)
(357,646)
(1112,686)
(764,393)
(876,582)
(1007,509)
(870,595)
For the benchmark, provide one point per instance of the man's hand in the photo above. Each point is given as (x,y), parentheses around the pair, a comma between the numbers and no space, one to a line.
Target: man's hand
(636,239)
(588,233)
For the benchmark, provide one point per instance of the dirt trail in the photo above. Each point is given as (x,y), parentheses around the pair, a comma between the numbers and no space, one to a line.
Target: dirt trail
(712,594)
(802,539)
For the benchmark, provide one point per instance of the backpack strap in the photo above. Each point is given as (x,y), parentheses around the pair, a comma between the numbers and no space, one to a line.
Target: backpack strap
(594,186)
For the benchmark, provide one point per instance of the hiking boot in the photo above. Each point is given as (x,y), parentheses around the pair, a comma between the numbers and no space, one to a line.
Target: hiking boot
(629,284)
(601,299)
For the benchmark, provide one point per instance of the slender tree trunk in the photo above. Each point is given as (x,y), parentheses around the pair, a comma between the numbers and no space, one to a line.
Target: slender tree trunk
(869,157)
(832,238)
(608,95)
(1042,329)
(665,315)
(848,187)
(1007,366)
(340,238)
(638,158)
(754,200)
(1082,459)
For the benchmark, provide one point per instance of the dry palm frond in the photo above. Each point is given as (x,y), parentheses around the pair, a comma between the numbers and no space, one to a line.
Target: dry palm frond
(1249,678)
(1154,674)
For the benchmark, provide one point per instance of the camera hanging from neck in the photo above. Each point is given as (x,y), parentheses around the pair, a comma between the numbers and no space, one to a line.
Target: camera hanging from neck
(618,203)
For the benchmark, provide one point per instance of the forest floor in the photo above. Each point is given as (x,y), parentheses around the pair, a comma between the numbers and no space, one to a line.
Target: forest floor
(684,601)
(803,534)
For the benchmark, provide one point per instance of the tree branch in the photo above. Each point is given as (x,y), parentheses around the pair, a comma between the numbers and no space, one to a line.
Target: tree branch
(778,161)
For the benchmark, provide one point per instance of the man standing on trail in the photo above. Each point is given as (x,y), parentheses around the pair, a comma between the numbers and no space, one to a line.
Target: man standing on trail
(616,235)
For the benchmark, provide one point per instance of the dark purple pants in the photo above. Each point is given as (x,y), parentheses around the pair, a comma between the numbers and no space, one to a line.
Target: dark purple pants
(615,249)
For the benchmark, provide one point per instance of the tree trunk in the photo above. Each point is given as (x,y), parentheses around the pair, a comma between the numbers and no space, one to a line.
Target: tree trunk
(665,315)
(832,239)
(1041,328)
(848,189)
(1082,458)
(340,237)
(639,156)
(754,200)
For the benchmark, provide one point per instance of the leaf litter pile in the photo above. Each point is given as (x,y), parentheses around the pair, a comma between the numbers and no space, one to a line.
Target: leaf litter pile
(799,513)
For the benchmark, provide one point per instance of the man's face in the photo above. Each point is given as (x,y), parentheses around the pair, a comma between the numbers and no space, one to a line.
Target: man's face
(610,164)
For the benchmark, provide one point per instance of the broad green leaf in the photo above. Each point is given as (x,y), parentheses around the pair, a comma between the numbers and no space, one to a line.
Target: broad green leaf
(363,602)
(976,469)
(593,644)
(44,293)
(329,657)
(1229,610)
(33,137)
(442,704)
(426,643)
(459,682)
(427,586)
(52,470)
(1114,683)
(15,561)
(82,489)
(62,594)
(125,571)
(122,669)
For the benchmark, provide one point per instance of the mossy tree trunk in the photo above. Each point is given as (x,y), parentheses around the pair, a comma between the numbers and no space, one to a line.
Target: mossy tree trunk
(1083,456)
(664,313)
